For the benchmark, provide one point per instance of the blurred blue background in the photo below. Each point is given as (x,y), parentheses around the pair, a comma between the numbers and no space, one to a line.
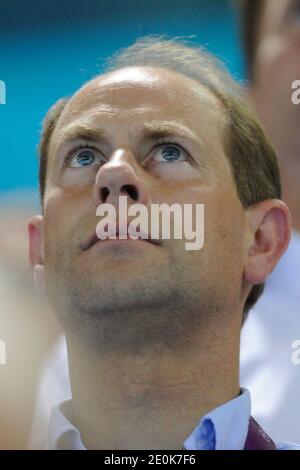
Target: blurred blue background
(49,48)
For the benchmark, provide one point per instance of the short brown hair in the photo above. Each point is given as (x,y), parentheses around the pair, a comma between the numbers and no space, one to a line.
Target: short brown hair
(250,20)
(251,155)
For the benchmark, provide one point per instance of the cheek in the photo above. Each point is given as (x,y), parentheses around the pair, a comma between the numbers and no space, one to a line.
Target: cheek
(181,172)
(223,214)
(224,246)
(55,233)
(190,191)
(224,226)
(62,216)
(78,179)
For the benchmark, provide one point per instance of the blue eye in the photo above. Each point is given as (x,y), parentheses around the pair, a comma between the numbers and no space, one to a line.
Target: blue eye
(170,153)
(85,157)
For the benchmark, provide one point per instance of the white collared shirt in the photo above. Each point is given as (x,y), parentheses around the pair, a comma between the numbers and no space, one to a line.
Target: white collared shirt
(224,428)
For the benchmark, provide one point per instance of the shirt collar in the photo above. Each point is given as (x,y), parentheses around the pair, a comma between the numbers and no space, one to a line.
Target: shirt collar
(225,427)
(62,434)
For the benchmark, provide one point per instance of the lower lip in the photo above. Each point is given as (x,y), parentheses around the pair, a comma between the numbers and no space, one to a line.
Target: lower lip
(120,241)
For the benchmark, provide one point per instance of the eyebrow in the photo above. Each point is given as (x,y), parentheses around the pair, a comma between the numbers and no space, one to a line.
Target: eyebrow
(159,129)
(80,131)
(153,130)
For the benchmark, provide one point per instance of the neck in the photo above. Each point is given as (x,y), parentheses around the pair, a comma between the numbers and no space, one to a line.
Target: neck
(150,400)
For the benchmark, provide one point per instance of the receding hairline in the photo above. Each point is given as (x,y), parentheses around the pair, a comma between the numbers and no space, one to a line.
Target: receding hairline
(195,85)
(200,89)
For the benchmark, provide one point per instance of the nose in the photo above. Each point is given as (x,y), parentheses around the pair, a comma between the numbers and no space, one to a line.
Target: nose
(117,178)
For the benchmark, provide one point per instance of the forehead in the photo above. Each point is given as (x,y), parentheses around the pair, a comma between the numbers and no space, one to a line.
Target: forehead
(134,92)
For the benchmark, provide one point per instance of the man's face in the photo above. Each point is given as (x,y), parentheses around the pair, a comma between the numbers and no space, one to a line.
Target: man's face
(161,134)
(276,66)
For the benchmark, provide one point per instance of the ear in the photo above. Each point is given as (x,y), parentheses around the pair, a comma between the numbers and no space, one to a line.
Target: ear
(269,224)
(36,252)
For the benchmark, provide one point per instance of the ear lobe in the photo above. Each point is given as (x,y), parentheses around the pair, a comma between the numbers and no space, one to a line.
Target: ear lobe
(270,227)
(36,255)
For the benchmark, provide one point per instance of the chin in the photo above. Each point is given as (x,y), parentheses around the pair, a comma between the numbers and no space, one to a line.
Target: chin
(117,289)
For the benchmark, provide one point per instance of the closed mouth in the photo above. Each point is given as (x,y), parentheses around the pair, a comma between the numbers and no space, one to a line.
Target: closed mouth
(93,239)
